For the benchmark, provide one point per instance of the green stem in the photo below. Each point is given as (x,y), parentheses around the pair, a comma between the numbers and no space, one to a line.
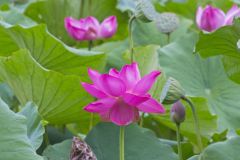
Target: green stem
(121,143)
(90,45)
(46,139)
(179,142)
(197,128)
(168,37)
(141,120)
(89,7)
(131,37)
(81,8)
(91,121)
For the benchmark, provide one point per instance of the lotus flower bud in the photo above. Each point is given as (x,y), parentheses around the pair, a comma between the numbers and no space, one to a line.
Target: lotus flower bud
(167,22)
(178,112)
(145,11)
(210,19)
(81,151)
(172,92)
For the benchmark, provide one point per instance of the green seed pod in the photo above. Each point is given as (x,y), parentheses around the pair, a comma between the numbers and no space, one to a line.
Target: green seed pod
(167,22)
(145,11)
(172,92)
(178,112)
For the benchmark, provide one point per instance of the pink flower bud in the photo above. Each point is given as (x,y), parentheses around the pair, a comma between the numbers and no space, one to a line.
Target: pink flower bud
(89,28)
(109,27)
(210,18)
(178,112)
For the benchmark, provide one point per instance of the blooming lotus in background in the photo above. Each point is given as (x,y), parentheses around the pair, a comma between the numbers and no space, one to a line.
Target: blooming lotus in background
(210,19)
(122,94)
(90,29)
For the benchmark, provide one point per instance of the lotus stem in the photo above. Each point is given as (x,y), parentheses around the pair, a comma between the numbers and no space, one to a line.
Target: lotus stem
(121,143)
(179,142)
(131,37)
(197,128)
(90,45)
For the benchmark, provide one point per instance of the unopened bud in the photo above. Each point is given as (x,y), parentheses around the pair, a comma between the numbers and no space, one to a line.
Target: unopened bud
(172,92)
(81,150)
(178,112)
(167,22)
(145,11)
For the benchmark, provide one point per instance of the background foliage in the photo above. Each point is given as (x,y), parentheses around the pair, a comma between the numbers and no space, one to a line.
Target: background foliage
(41,68)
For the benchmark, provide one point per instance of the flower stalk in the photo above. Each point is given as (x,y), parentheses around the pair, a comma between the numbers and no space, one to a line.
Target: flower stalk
(197,128)
(90,45)
(131,37)
(179,141)
(121,143)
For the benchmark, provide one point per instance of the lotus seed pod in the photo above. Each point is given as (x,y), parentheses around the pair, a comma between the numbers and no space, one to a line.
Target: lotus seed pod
(167,22)
(145,11)
(178,112)
(172,92)
(81,150)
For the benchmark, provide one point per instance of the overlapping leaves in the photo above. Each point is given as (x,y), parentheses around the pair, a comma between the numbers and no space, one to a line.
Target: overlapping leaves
(204,78)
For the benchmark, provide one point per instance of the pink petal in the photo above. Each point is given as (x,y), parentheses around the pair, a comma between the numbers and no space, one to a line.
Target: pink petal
(130,75)
(109,27)
(92,27)
(199,16)
(134,100)
(92,22)
(93,90)
(233,12)
(145,84)
(111,85)
(212,19)
(151,106)
(100,106)
(114,72)
(74,28)
(122,114)
(94,76)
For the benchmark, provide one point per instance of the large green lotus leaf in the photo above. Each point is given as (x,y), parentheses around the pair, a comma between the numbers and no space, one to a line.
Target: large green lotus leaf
(223,42)
(227,150)
(14,17)
(203,78)
(8,96)
(59,97)
(208,122)
(14,140)
(140,143)
(147,33)
(49,52)
(60,151)
(35,129)
(114,51)
(148,61)
(53,12)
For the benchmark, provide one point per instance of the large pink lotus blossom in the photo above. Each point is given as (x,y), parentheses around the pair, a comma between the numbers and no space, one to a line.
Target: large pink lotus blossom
(90,29)
(122,94)
(210,19)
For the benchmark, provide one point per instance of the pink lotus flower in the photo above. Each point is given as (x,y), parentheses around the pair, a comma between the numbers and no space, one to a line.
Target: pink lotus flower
(122,94)
(90,29)
(210,18)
